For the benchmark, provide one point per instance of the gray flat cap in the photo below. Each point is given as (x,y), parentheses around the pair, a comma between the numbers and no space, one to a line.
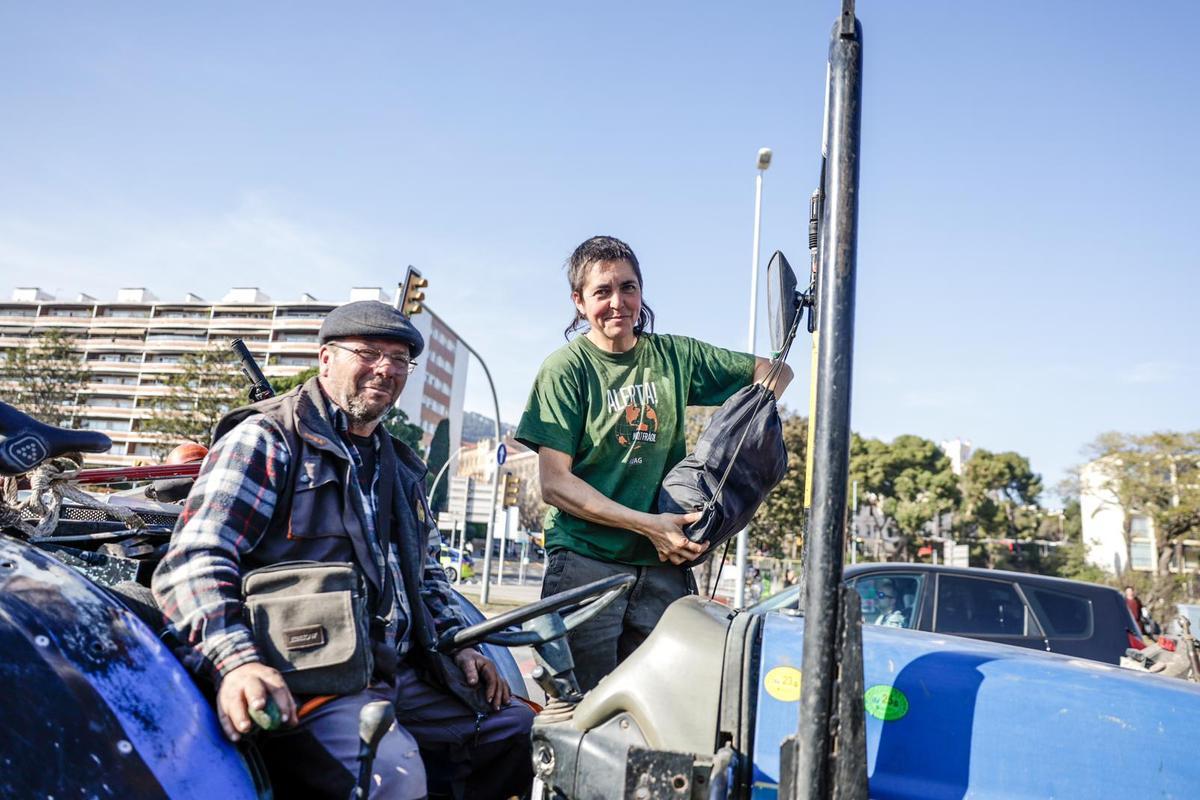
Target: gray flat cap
(371,318)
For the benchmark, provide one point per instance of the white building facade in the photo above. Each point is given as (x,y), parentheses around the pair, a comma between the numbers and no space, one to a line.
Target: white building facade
(1103,520)
(132,344)
(959,453)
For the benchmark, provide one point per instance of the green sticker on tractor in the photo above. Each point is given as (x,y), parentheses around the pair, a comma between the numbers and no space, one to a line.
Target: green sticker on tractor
(885,702)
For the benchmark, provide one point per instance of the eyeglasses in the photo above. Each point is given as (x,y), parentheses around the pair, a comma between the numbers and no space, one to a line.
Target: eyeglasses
(370,357)
(885,596)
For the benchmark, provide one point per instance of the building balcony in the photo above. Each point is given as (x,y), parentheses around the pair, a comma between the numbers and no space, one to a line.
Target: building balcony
(167,367)
(173,345)
(299,348)
(115,320)
(298,324)
(240,322)
(109,459)
(160,320)
(299,360)
(71,324)
(136,437)
(108,387)
(99,365)
(108,409)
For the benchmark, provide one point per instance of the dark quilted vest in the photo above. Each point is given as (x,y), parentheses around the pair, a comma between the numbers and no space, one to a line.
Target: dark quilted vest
(324,522)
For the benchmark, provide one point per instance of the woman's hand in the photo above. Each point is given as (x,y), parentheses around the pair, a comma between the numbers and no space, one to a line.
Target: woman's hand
(563,490)
(665,532)
(762,368)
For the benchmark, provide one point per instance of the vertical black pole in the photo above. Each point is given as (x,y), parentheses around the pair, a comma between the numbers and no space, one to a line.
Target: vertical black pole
(809,765)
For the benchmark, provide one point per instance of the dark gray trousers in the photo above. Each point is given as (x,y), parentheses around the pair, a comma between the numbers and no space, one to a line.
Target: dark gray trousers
(608,638)
(437,746)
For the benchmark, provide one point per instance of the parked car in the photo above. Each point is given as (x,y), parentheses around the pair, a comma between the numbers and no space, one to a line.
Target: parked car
(456,563)
(1054,614)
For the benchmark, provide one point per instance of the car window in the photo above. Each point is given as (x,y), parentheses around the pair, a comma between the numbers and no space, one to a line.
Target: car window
(1063,614)
(979,607)
(891,599)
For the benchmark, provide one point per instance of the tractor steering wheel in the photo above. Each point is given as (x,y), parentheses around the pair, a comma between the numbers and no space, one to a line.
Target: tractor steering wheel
(564,612)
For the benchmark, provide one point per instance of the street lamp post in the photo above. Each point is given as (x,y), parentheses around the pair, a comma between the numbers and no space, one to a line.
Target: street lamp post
(491,525)
(437,479)
(764,161)
(462,546)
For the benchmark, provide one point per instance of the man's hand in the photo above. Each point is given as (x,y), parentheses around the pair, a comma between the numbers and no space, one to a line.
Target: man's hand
(474,664)
(665,532)
(246,688)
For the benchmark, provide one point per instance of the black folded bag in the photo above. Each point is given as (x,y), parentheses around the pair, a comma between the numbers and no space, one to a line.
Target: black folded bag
(739,459)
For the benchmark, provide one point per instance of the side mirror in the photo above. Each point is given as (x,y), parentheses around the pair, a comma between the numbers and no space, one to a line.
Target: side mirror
(783,301)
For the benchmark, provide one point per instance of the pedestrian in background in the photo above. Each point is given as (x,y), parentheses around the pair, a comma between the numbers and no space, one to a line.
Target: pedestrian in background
(1135,608)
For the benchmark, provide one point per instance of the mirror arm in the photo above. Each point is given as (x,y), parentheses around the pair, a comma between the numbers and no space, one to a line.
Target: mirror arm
(816,209)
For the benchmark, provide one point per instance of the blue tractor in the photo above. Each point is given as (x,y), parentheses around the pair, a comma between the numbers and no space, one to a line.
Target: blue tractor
(803,703)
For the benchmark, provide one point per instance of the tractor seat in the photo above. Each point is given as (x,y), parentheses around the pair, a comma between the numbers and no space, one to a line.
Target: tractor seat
(27,442)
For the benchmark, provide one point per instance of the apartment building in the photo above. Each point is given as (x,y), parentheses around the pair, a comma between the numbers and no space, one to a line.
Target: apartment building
(959,452)
(1117,538)
(479,461)
(133,343)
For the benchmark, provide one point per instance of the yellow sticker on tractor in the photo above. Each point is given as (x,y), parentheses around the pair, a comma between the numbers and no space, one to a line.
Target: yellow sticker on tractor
(783,683)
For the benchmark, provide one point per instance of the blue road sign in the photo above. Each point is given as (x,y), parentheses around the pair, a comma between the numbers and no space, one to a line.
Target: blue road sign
(501,454)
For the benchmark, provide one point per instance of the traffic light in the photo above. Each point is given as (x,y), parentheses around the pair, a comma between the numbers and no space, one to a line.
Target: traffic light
(414,298)
(512,489)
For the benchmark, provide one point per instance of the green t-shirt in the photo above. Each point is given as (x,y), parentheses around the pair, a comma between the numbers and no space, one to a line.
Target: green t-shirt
(621,418)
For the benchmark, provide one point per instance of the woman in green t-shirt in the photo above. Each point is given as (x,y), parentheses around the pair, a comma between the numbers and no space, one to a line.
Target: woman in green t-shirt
(606,416)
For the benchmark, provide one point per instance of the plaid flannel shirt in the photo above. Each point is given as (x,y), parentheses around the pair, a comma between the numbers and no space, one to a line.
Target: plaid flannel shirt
(198,582)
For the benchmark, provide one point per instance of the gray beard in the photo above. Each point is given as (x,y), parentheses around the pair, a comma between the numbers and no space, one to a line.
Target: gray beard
(360,416)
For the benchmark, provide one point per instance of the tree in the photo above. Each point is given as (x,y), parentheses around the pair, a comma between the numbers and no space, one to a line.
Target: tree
(439,454)
(908,483)
(1000,496)
(208,385)
(1156,475)
(532,508)
(695,420)
(284,385)
(779,522)
(778,525)
(396,423)
(44,380)
(1070,559)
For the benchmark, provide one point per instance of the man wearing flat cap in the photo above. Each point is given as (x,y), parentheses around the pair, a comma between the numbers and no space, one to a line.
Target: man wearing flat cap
(312,476)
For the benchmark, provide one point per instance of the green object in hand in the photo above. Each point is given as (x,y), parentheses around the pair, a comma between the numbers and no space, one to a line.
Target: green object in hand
(267,718)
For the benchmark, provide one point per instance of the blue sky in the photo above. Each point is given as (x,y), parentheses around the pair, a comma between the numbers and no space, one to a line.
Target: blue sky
(1029,186)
